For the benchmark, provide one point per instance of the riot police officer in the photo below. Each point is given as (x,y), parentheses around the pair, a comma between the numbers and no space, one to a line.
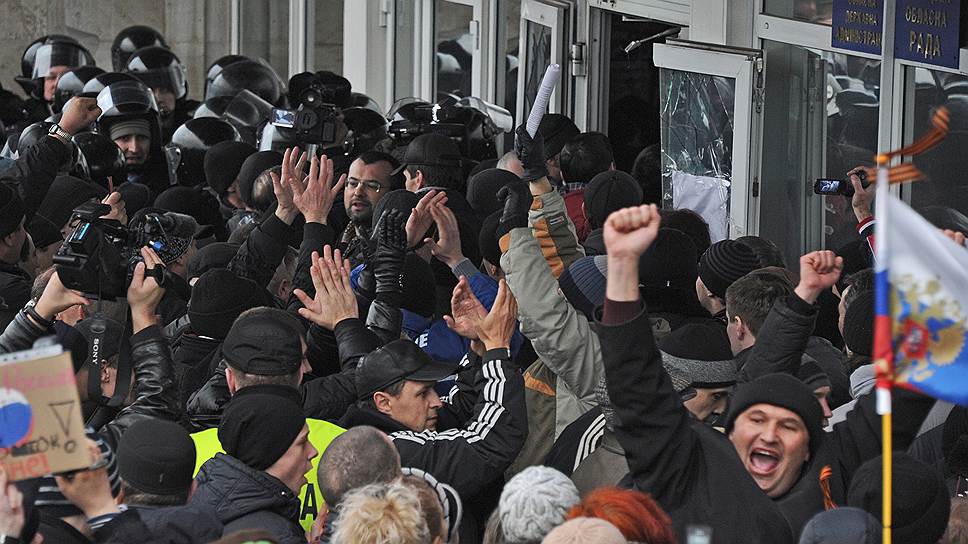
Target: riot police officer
(130,118)
(161,70)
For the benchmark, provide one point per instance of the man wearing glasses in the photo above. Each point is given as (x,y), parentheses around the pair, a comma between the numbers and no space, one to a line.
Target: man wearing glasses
(370,178)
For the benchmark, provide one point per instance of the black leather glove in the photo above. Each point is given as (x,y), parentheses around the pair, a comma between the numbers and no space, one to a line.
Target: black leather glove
(531,153)
(389,256)
(517,198)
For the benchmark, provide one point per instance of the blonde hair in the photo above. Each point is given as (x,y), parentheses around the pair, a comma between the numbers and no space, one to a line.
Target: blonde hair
(386,513)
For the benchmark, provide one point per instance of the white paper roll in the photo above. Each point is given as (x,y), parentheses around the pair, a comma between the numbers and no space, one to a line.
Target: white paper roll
(548,82)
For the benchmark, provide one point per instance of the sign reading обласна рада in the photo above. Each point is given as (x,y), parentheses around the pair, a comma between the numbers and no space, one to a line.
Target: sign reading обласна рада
(928,31)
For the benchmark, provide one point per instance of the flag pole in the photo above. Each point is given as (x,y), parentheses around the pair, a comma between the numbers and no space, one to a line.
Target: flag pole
(883,340)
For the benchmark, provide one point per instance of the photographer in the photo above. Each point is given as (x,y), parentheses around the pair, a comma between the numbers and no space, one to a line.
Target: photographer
(152,390)
(22,189)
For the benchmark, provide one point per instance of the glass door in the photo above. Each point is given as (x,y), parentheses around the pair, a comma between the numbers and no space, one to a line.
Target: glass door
(709,111)
(541,43)
(458,27)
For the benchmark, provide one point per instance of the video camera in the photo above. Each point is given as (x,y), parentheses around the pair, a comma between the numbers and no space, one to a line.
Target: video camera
(315,121)
(99,256)
(471,122)
(830,187)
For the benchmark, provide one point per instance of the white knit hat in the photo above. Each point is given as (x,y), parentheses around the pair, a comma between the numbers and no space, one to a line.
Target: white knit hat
(534,502)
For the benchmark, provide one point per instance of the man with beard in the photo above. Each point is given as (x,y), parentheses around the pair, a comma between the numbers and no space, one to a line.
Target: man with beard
(370,178)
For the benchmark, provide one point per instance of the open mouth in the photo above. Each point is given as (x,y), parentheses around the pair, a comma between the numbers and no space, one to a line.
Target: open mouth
(763,462)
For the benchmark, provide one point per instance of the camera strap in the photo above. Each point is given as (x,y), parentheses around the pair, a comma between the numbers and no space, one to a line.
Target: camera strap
(105,409)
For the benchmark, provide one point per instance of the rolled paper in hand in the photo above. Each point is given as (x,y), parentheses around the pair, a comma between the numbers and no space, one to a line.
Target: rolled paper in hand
(548,82)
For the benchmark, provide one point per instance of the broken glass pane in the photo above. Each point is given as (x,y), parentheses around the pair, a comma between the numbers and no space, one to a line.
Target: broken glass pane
(696,113)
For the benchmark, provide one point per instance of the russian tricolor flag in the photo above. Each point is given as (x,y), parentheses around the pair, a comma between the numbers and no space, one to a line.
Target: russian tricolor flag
(921,307)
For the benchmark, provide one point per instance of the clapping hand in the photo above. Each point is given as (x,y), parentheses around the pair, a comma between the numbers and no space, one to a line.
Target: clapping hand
(334,300)
(315,194)
(467,312)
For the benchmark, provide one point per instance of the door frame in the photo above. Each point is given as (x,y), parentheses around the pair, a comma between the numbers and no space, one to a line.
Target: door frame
(746,67)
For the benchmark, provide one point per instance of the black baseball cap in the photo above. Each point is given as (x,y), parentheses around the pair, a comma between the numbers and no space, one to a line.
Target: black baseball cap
(264,342)
(431,150)
(395,361)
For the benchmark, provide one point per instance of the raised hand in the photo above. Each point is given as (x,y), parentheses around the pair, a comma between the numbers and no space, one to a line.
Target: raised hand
(388,257)
(497,327)
(863,196)
(56,298)
(145,293)
(11,508)
(517,202)
(90,490)
(531,153)
(420,218)
(293,165)
(118,211)
(467,313)
(447,246)
(314,195)
(334,300)
(819,271)
(630,231)
(956,237)
(79,114)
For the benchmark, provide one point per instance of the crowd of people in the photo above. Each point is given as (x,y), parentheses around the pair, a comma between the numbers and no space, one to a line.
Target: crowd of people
(353,336)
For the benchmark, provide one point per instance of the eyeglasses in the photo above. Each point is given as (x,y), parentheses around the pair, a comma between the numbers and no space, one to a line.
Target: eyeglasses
(370,185)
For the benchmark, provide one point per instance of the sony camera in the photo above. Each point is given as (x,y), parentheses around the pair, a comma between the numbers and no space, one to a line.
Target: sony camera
(829,187)
(99,256)
(315,121)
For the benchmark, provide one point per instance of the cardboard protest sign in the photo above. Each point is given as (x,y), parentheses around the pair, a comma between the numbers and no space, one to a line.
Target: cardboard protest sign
(41,431)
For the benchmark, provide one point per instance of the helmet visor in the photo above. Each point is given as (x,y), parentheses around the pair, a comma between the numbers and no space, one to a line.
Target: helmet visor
(171,78)
(59,54)
(126,97)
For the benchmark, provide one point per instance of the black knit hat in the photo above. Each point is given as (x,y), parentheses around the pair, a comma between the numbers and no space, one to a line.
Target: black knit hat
(608,192)
(395,361)
(812,375)
(136,196)
(399,199)
(43,231)
(195,202)
(65,194)
(483,187)
(418,286)
(222,163)
(669,263)
(215,255)
(725,262)
(11,210)
(254,165)
(698,355)
(218,298)
(157,456)
(260,423)
(920,504)
(859,324)
(266,342)
(557,130)
(583,283)
(781,390)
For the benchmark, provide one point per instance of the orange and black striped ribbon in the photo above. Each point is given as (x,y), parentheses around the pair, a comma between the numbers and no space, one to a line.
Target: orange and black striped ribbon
(907,172)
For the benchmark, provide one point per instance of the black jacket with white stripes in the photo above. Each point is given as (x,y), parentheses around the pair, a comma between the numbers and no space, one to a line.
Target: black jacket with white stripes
(471,457)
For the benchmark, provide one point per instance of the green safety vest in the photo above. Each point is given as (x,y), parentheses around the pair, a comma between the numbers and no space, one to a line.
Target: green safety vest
(321,433)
